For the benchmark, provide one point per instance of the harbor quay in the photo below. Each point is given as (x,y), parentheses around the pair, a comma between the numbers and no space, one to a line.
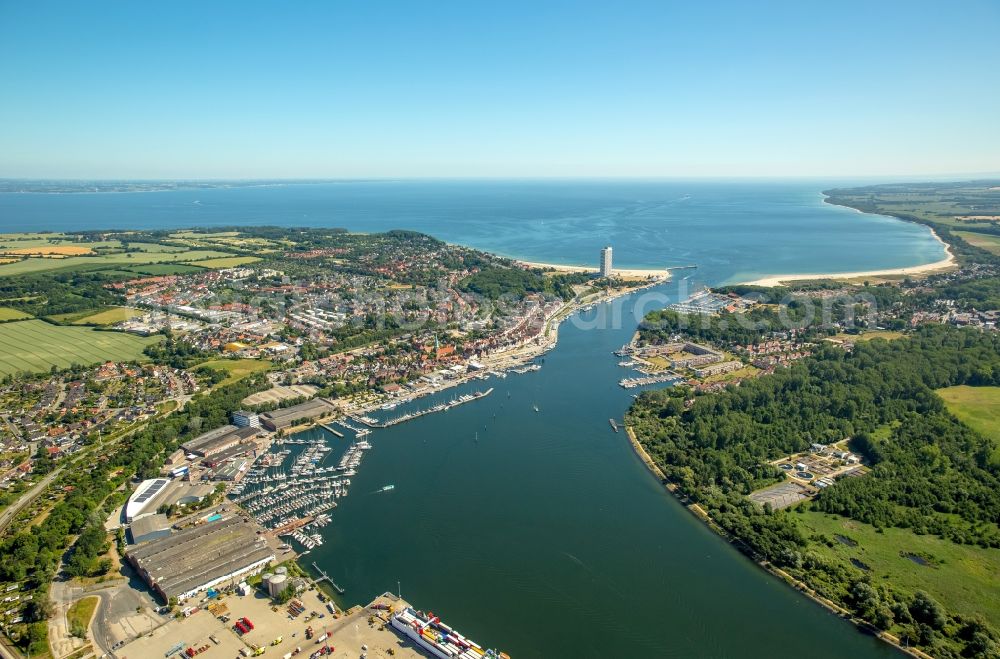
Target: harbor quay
(361,631)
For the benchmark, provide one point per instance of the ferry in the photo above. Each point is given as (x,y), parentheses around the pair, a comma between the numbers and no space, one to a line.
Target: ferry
(437,638)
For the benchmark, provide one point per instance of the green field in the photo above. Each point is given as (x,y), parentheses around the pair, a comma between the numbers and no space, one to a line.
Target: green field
(965,578)
(31,265)
(978,408)
(237,368)
(888,335)
(157,247)
(160,269)
(988,242)
(199,234)
(34,345)
(230,262)
(109,316)
(6,313)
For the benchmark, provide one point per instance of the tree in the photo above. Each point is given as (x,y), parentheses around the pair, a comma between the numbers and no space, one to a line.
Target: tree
(926,610)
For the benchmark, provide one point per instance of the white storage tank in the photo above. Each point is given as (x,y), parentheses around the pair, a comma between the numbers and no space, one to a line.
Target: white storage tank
(277,584)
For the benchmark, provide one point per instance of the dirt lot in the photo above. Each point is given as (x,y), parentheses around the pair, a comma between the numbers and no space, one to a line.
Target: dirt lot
(278,393)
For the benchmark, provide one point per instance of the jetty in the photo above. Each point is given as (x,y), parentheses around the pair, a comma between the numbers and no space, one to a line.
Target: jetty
(440,407)
(326,577)
(292,526)
(329,428)
(630,383)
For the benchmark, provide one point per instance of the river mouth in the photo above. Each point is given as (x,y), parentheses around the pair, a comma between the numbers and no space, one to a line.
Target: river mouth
(543,534)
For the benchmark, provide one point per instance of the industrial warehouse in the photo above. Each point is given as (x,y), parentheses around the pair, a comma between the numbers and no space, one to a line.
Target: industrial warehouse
(218,440)
(156,492)
(195,559)
(289,416)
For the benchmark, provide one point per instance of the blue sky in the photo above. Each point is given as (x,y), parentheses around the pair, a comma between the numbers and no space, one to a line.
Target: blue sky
(462,88)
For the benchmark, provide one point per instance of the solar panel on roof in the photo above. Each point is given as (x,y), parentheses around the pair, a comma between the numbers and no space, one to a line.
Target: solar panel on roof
(150,491)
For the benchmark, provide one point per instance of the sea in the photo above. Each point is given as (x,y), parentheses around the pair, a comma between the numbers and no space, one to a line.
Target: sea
(523,519)
(732,230)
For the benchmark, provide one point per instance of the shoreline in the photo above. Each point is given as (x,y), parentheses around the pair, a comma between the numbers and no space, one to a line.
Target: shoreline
(623,272)
(525,353)
(702,515)
(946,263)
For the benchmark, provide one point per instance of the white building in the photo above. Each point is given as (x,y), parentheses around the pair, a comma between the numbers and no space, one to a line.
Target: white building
(606,261)
(244,419)
(142,498)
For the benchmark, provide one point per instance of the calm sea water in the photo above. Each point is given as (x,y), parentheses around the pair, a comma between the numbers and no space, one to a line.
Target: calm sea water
(731,230)
(541,532)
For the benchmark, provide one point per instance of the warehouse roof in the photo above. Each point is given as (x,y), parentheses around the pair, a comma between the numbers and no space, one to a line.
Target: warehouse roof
(147,525)
(312,407)
(188,560)
(208,437)
(143,496)
(219,440)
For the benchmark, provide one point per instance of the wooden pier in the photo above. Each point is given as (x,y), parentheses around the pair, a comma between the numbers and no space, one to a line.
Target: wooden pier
(326,577)
(291,526)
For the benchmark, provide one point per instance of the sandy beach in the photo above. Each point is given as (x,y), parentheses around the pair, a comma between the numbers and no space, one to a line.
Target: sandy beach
(945,263)
(622,272)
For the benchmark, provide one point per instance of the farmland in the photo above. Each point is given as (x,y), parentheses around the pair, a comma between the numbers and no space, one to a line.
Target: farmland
(988,242)
(230,262)
(34,345)
(108,316)
(6,313)
(159,269)
(35,264)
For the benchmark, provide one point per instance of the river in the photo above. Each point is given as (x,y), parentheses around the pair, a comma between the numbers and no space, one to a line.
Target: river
(543,534)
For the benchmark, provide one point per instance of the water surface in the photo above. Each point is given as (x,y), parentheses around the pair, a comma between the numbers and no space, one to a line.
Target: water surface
(736,229)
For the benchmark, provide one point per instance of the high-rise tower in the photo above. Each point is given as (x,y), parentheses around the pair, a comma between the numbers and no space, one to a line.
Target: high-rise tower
(606,261)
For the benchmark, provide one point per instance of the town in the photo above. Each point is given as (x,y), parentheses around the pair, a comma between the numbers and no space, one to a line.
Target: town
(216,496)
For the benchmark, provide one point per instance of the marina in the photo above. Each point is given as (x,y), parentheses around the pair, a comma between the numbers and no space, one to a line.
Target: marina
(664,378)
(293,496)
(440,407)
